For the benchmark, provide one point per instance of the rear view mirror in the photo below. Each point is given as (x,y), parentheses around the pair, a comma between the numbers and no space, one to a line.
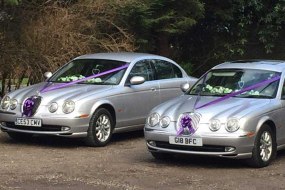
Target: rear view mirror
(184,87)
(137,80)
(47,75)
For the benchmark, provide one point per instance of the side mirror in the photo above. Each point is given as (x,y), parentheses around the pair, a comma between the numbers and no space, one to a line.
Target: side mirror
(47,75)
(137,80)
(184,87)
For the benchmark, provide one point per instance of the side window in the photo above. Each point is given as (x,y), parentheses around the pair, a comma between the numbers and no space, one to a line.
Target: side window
(177,71)
(166,70)
(143,69)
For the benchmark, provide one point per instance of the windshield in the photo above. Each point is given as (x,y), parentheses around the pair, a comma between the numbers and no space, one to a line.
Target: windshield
(81,68)
(220,82)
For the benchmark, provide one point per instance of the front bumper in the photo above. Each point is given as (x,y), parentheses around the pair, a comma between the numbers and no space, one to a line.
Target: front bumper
(59,125)
(212,145)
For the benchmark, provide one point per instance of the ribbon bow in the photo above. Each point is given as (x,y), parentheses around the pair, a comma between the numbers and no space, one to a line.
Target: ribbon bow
(28,107)
(186,122)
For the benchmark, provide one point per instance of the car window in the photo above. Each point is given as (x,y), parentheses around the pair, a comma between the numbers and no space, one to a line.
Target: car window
(177,71)
(143,69)
(82,68)
(166,70)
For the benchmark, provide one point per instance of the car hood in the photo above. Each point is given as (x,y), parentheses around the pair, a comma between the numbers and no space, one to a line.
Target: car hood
(232,107)
(73,92)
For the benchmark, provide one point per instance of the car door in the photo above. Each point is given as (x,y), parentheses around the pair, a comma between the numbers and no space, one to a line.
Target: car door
(170,78)
(138,100)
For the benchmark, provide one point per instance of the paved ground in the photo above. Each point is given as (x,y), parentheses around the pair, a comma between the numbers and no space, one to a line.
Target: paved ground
(57,163)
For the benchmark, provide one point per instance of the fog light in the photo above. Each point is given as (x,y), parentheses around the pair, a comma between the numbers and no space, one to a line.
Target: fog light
(3,124)
(229,149)
(152,143)
(65,128)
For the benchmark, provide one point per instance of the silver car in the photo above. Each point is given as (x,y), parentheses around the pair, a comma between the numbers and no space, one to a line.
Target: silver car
(235,110)
(93,96)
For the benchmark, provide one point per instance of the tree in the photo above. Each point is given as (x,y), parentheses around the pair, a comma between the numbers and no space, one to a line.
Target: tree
(235,29)
(157,22)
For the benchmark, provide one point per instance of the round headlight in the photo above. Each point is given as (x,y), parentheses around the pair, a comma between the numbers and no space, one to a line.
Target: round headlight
(232,125)
(153,119)
(68,106)
(164,122)
(5,102)
(53,107)
(215,125)
(13,104)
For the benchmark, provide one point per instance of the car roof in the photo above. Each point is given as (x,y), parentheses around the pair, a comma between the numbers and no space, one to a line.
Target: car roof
(272,65)
(121,56)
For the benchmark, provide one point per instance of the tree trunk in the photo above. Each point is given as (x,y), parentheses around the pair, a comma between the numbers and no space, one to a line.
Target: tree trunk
(163,45)
(3,89)
(21,80)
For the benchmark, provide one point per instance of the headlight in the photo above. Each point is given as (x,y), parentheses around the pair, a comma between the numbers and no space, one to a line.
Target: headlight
(215,125)
(13,104)
(68,106)
(164,122)
(53,107)
(232,125)
(153,119)
(5,102)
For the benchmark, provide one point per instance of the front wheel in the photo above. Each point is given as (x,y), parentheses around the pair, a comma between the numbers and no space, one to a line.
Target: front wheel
(100,128)
(265,148)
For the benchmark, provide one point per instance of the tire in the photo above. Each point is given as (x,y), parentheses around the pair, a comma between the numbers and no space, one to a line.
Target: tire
(100,129)
(20,136)
(265,148)
(161,156)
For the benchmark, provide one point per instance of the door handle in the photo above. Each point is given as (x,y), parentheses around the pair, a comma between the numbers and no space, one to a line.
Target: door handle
(153,89)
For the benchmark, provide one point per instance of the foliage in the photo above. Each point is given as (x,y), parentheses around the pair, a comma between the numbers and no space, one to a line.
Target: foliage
(155,22)
(43,35)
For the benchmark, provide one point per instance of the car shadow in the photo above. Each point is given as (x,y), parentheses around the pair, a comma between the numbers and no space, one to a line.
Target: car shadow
(63,142)
(183,160)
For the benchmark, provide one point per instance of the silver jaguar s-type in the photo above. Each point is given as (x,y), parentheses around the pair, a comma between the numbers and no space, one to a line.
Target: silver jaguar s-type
(235,110)
(93,96)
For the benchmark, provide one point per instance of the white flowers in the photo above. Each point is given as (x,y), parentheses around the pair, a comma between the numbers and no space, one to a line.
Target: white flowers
(223,90)
(218,89)
(78,77)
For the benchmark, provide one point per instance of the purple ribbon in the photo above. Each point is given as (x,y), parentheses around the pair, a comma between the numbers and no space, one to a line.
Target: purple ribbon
(262,83)
(182,121)
(47,89)
(30,102)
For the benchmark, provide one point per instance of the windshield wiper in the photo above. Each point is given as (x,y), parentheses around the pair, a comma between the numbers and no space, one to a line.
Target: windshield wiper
(255,96)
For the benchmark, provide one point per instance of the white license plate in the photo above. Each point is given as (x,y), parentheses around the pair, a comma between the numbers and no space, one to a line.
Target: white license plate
(187,141)
(29,122)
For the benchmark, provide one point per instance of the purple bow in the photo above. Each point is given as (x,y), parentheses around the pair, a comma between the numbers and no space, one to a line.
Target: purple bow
(186,122)
(28,107)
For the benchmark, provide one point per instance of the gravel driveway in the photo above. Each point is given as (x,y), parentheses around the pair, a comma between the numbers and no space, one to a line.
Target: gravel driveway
(59,163)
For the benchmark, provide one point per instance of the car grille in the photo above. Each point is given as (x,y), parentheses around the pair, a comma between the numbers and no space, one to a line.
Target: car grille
(204,148)
(29,128)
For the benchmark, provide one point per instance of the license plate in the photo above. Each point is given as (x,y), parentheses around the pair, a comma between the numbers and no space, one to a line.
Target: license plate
(28,122)
(187,141)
